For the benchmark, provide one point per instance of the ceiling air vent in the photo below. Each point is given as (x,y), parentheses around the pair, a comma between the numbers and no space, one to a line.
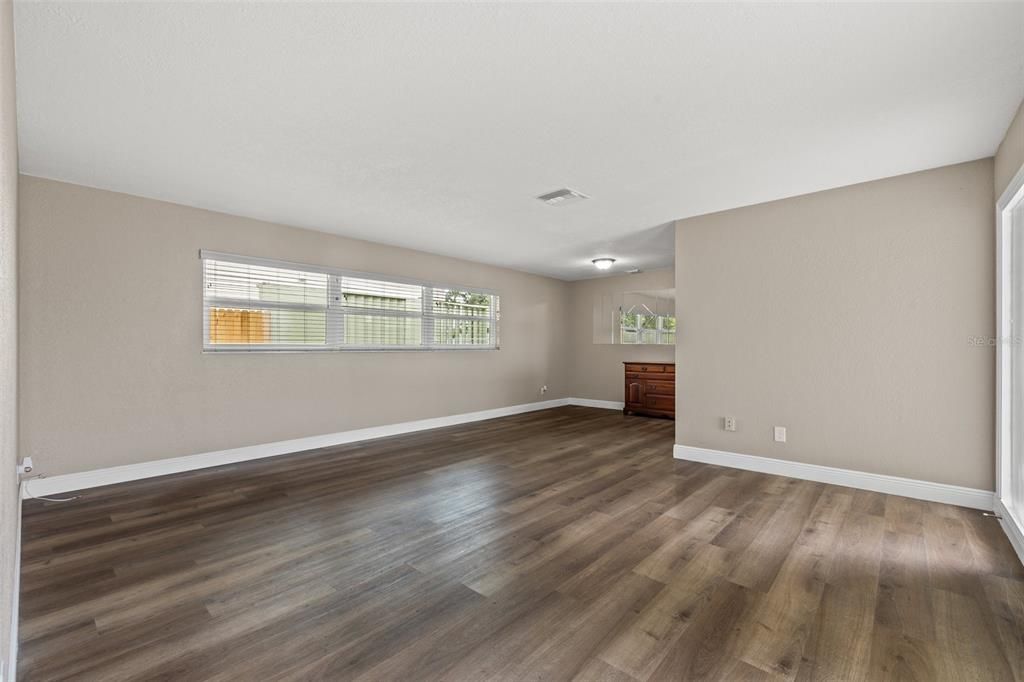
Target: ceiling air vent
(561,197)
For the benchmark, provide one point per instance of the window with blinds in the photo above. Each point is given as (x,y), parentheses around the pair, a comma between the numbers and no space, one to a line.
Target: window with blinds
(255,304)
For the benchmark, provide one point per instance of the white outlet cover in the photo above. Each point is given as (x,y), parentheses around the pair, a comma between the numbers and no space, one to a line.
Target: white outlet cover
(780,434)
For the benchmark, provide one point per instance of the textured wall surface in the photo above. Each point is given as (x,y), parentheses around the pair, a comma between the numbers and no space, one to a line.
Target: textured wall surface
(1010,156)
(111,332)
(858,317)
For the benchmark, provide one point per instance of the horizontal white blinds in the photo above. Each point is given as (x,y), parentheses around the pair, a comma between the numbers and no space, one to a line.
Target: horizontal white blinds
(256,304)
(462,318)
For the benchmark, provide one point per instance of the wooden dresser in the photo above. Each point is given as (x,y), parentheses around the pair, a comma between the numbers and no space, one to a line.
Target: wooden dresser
(650,389)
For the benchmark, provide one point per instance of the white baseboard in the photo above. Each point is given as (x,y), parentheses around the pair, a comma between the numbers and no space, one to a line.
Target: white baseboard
(1012,527)
(891,485)
(52,485)
(603,404)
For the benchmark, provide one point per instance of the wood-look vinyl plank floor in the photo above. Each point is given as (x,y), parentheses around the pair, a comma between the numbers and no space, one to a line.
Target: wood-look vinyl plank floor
(557,545)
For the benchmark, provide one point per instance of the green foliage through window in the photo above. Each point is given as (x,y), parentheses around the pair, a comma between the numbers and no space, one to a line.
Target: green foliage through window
(644,328)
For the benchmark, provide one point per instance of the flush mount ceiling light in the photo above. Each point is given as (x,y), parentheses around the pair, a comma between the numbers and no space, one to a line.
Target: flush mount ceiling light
(560,197)
(603,263)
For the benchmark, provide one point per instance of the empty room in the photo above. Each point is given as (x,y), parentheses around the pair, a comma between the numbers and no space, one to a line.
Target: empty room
(611,342)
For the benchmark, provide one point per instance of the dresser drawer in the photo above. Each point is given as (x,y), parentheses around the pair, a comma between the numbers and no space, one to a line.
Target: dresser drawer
(646,369)
(654,387)
(660,403)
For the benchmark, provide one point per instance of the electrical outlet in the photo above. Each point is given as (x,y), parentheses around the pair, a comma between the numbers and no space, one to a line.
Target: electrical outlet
(543,389)
(729,423)
(780,434)
(25,467)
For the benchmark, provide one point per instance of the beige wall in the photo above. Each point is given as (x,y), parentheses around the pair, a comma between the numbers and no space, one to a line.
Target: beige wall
(1010,155)
(112,371)
(596,369)
(846,316)
(9,506)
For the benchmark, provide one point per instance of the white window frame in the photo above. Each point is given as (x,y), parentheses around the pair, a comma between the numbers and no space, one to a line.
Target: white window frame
(335,314)
(659,331)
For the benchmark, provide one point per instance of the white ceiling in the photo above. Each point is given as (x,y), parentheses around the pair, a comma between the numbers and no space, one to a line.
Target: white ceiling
(433,126)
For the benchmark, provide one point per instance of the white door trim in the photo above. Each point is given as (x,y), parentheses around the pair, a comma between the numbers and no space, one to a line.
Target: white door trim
(12,664)
(1011,525)
(1012,196)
